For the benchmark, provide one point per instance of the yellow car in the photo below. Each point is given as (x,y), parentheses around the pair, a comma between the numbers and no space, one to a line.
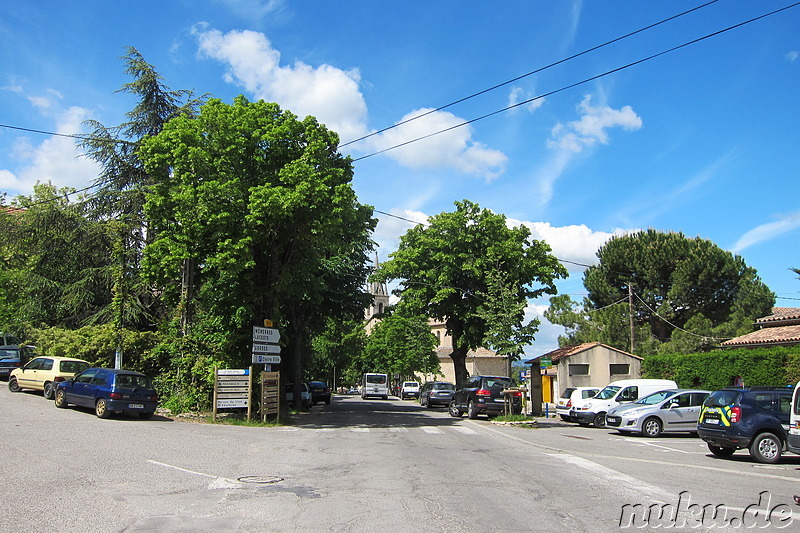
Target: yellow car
(44,374)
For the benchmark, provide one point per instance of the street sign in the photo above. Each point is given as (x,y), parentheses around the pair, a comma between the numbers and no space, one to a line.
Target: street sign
(266,335)
(229,403)
(266,348)
(545,362)
(267,359)
(233,372)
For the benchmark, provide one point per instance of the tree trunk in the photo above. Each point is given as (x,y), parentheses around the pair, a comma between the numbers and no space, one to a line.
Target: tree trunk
(459,357)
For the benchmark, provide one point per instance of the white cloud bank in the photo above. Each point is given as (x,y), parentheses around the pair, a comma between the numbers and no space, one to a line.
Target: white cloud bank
(333,96)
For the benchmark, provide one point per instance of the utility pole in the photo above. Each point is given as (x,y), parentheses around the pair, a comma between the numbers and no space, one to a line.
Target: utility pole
(630,317)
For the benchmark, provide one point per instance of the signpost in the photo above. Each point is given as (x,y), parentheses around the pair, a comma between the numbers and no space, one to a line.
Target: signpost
(266,351)
(270,394)
(232,389)
(544,362)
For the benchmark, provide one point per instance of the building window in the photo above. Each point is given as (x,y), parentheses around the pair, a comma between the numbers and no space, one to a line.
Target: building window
(380,309)
(619,369)
(578,370)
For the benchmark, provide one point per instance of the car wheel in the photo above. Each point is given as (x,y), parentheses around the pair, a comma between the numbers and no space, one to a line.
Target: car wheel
(766,448)
(454,410)
(428,403)
(13,386)
(652,427)
(147,415)
(48,390)
(101,409)
(61,399)
(600,420)
(472,412)
(720,451)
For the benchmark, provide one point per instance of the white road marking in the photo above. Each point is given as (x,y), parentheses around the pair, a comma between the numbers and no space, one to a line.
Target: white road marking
(465,431)
(432,430)
(218,483)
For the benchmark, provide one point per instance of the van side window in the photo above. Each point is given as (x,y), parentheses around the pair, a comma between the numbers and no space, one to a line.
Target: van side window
(629,394)
(785,404)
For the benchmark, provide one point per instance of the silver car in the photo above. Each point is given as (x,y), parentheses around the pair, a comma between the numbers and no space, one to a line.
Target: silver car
(666,411)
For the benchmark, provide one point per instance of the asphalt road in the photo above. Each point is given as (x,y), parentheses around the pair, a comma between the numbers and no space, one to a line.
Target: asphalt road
(372,466)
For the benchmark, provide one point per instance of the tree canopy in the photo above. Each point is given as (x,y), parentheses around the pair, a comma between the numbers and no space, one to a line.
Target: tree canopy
(460,265)
(678,285)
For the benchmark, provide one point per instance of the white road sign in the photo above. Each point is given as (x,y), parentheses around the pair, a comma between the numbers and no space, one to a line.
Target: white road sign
(267,359)
(266,348)
(266,335)
(227,403)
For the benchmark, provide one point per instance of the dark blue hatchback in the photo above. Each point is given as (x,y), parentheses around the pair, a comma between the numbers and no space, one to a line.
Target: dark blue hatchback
(109,391)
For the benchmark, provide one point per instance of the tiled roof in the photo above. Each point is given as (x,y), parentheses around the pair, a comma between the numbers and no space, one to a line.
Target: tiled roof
(787,335)
(781,314)
(566,351)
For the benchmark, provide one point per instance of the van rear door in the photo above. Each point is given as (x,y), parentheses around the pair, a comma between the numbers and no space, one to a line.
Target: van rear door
(793,443)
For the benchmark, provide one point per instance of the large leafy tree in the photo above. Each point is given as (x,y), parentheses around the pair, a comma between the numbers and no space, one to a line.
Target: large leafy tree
(676,284)
(262,205)
(401,343)
(459,266)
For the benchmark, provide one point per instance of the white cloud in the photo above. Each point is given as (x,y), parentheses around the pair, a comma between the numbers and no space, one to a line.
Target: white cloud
(793,55)
(333,96)
(55,159)
(453,148)
(569,140)
(767,232)
(253,9)
(518,94)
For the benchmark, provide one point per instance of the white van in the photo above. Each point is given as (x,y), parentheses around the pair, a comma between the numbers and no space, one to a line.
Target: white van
(793,439)
(375,385)
(593,411)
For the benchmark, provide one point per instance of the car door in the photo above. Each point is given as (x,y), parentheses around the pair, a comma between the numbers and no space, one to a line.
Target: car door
(26,377)
(79,392)
(679,414)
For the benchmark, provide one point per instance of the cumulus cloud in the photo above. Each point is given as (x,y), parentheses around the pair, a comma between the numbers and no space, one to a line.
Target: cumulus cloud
(569,140)
(767,232)
(518,94)
(55,159)
(453,148)
(333,96)
(793,55)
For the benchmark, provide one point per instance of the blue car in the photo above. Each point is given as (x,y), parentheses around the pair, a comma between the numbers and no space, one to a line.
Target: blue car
(108,391)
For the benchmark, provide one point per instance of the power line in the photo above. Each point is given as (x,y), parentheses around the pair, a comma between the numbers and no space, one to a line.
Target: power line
(78,136)
(540,69)
(576,84)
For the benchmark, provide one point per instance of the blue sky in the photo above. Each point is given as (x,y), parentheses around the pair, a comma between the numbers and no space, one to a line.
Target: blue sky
(702,140)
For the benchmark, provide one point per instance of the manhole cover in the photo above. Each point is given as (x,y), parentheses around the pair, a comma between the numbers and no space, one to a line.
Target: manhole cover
(259,479)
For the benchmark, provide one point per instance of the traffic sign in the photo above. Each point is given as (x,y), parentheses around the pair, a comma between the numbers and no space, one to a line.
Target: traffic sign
(266,335)
(267,359)
(266,348)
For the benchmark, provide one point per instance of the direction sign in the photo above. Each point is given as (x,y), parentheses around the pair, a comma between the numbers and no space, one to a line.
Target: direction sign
(268,335)
(226,403)
(267,359)
(266,348)
(233,371)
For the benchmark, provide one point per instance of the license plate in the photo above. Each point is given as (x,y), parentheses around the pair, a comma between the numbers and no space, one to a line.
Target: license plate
(612,419)
(135,406)
(499,400)
(711,421)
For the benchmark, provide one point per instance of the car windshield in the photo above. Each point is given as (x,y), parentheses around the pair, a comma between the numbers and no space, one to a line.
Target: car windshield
(607,393)
(73,367)
(133,381)
(721,398)
(656,397)
(443,386)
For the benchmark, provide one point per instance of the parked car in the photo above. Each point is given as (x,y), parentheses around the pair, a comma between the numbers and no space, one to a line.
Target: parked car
(9,341)
(666,411)
(109,390)
(409,389)
(44,373)
(570,396)
(305,395)
(11,358)
(756,418)
(593,410)
(484,395)
(320,392)
(436,393)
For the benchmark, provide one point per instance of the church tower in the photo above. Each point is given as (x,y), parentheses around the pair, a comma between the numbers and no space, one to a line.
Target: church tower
(380,300)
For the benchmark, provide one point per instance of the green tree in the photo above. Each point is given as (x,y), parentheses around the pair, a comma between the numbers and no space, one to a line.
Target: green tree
(334,350)
(677,283)
(262,205)
(457,266)
(401,343)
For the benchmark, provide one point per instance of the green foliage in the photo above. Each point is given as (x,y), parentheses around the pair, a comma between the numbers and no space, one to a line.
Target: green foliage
(460,264)
(96,344)
(334,350)
(719,368)
(401,343)
(677,282)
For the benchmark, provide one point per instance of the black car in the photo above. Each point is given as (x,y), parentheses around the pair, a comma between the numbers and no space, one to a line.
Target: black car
(436,393)
(320,392)
(11,358)
(484,395)
(755,418)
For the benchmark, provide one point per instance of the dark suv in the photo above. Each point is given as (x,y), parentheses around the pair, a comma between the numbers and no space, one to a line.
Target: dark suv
(484,394)
(756,418)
